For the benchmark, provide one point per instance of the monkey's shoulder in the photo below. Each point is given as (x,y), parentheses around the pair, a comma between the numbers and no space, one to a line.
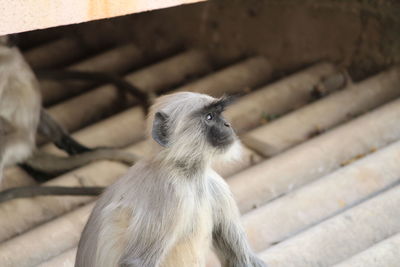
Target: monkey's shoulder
(141,184)
(216,183)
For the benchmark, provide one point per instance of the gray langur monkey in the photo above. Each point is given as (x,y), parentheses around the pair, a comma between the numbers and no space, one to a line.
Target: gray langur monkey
(21,115)
(171,207)
(20,104)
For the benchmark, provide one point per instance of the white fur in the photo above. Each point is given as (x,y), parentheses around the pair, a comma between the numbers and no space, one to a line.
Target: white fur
(169,207)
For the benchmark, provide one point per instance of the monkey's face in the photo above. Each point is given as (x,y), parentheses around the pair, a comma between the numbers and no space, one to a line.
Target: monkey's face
(191,123)
(218,132)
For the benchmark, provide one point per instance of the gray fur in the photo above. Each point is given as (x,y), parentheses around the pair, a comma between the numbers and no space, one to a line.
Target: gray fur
(170,207)
(21,115)
(19,107)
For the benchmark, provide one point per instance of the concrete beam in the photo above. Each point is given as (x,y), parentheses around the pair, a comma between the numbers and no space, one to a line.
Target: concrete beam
(317,157)
(329,195)
(342,236)
(322,115)
(20,15)
(383,254)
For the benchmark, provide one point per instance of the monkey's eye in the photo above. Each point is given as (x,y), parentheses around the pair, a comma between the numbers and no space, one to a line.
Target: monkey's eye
(209,116)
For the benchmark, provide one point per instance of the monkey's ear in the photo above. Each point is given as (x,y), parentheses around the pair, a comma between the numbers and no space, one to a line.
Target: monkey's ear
(160,128)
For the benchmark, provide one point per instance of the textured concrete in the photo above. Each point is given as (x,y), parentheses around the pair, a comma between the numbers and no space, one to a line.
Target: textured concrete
(316,157)
(329,195)
(118,60)
(75,113)
(244,74)
(55,54)
(317,117)
(128,126)
(20,15)
(280,97)
(66,228)
(382,254)
(66,259)
(341,236)
(32,212)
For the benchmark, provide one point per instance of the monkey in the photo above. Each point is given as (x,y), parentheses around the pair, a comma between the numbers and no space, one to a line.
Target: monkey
(22,115)
(171,207)
(20,105)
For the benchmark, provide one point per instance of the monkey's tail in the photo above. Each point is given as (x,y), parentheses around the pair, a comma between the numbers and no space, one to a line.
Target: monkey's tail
(32,191)
(53,131)
(52,164)
(145,99)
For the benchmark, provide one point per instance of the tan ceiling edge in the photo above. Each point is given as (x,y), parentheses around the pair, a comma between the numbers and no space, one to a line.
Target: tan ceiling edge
(25,15)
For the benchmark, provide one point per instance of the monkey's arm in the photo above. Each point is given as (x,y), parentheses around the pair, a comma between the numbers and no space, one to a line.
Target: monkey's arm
(15,144)
(117,235)
(6,129)
(229,238)
(49,128)
(152,241)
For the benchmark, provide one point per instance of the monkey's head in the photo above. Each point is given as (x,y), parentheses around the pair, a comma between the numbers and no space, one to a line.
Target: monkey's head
(191,124)
(8,40)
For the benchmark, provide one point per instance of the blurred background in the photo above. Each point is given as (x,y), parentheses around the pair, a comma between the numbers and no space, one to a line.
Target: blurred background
(318,114)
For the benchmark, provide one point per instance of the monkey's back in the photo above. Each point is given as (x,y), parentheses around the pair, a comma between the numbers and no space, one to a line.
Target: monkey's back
(147,198)
(92,243)
(20,101)
(19,93)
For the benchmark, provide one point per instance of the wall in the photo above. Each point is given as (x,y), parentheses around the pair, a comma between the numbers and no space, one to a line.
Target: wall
(24,15)
(362,35)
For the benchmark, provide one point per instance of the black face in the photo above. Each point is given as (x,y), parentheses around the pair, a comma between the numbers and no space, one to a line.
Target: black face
(218,131)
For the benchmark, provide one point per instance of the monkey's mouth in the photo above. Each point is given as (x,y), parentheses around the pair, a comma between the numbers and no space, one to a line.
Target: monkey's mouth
(223,142)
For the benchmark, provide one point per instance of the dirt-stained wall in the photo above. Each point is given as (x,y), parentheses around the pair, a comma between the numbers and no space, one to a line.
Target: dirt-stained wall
(363,35)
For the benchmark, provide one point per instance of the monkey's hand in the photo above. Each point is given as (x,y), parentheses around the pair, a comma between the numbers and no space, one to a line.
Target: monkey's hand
(135,263)
(5,127)
(256,262)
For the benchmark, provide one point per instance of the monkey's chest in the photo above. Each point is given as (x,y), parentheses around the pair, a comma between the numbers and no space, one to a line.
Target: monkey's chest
(198,223)
(193,242)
